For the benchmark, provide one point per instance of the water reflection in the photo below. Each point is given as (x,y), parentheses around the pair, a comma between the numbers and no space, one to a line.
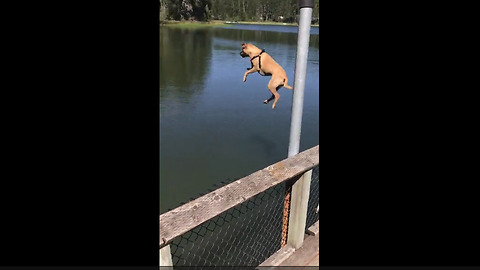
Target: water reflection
(212,125)
(256,36)
(184,55)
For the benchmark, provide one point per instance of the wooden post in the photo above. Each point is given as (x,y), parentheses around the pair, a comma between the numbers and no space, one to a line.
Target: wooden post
(166,257)
(298,210)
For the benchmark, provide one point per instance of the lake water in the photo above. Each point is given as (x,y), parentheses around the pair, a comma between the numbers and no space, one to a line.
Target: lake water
(215,127)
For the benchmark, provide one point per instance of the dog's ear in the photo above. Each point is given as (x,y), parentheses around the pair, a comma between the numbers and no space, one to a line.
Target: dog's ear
(243,44)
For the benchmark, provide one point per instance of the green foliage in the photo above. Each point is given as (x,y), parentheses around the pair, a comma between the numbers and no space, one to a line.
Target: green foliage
(234,10)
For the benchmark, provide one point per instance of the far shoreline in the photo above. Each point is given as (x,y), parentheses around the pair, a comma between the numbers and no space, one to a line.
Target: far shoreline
(222,23)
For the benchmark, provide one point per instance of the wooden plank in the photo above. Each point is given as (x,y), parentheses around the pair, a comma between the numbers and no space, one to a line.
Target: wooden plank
(314,229)
(188,216)
(278,257)
(165,257)
(298,210)
(315,261)
(307,255)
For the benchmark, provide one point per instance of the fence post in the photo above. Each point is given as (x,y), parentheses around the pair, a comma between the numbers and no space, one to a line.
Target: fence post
(165,256)
(298,210)
(296,196)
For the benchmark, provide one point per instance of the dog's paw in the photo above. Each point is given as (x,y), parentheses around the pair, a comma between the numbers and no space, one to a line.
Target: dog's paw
(265,101)
(244,79)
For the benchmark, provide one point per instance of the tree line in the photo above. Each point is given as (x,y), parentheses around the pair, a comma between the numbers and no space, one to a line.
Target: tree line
(233,10)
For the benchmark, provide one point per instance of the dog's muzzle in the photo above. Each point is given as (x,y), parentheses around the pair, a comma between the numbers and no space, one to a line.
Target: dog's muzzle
(242,54)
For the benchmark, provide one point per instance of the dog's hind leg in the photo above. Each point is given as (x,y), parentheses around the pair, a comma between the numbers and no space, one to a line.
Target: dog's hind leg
(273,96)
(276,95)
(268,100)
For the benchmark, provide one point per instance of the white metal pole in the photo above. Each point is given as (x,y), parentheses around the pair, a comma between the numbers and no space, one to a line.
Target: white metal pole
(300,74)
(301,188)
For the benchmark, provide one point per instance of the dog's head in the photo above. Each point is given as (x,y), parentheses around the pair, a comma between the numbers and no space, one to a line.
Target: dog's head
(249,50)
(244,51)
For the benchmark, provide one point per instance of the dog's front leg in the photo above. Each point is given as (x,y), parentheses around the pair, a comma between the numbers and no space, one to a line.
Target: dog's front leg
(248,72)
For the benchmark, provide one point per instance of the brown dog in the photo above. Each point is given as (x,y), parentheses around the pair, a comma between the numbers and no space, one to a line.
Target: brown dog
(266,66)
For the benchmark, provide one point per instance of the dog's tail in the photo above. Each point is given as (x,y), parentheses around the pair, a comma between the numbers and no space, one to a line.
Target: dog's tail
(285,81)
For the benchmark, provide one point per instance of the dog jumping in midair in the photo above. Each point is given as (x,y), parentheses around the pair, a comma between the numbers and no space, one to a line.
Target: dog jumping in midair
(264,64)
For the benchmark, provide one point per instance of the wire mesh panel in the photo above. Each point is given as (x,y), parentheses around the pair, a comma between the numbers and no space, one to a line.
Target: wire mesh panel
(245,235)
(313,199)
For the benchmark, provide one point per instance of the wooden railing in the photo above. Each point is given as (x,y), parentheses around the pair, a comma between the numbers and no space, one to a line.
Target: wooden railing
(188,216)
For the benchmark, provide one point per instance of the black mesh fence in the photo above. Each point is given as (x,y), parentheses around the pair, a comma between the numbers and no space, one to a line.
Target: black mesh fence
(313,199)
(245,235)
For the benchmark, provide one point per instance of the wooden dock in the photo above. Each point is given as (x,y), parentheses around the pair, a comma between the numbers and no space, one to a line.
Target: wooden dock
(307,255)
